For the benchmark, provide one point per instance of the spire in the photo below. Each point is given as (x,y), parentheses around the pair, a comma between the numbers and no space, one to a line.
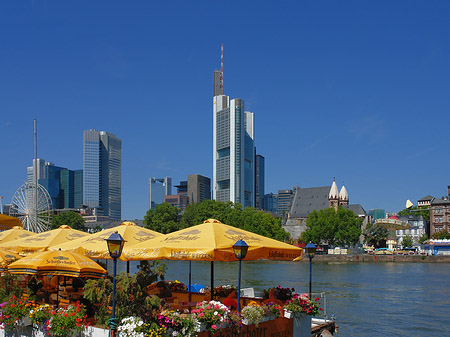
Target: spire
(334,193)
(343,195)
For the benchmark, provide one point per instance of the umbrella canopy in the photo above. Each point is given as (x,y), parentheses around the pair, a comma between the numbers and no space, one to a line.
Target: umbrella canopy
(57,263)
(95,245)
(17,232)
(6,258)
(42,241)
(7,222)
(210,241)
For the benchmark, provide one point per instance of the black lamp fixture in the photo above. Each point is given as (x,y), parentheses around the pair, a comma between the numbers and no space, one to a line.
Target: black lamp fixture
(311,251)
(115,244)
(240,249)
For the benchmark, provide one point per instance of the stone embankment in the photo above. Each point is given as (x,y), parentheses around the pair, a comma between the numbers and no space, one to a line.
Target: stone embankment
(379,258)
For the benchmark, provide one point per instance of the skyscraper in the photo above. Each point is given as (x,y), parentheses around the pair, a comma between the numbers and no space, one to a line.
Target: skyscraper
(102,167)
(259,181)
(233,149)
(199,188)
(158,188)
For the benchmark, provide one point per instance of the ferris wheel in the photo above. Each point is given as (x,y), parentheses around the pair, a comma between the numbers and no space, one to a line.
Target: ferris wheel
(23,206)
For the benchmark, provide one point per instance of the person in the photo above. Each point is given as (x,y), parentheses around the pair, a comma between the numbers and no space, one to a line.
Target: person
(231,301)
(273,297)
(163,290)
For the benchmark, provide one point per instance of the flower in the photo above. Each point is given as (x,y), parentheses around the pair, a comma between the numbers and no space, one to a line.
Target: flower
(303,304)
(212,313)
(253,313)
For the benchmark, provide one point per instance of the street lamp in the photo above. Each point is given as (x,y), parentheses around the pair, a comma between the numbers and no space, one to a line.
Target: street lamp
(311,251)
(115,245)
(240,249)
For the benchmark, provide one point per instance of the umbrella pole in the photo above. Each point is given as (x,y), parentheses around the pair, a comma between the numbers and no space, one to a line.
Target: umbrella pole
(128,267)
(212,280)
(57,291)
(190,266)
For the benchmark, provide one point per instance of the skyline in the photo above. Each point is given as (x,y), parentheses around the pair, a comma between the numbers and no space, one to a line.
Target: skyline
(355,91)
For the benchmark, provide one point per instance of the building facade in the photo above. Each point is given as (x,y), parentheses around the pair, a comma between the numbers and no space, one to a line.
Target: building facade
(259,181)
(439,215)
(271,203)
(102,168)
(199,188)
(158,188)
(233,149)
(417,227)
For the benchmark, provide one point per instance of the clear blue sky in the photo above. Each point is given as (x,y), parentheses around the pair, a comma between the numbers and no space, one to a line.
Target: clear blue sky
(357,90)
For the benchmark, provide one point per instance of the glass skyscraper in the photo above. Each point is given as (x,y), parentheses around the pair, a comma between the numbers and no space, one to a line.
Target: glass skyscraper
(102,168)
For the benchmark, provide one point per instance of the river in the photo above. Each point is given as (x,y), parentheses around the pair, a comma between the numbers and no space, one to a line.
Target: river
(367,299)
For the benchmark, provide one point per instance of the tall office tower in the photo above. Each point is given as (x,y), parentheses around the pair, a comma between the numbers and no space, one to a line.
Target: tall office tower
(102,168)
(284,200)
(158,188)
(233,151)
(259,182)
(199,188)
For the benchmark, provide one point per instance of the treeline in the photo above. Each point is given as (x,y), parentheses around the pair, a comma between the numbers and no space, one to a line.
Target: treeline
(166,218)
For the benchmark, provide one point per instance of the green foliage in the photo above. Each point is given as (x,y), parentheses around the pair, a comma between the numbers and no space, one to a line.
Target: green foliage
(99,293)
(9,286)
(164,219)
(423,238)
(407,241)
(71,219)
(442,234)
(423,211)
(335,228)
(375,235)
(232,214)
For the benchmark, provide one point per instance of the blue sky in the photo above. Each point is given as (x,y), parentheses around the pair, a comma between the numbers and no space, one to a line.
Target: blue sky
(355,90)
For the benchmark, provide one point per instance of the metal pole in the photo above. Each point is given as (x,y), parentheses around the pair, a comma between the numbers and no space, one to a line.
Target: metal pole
(35,175)
(239,288)
(114,290)
(310,276)
(190,279)
(212,280)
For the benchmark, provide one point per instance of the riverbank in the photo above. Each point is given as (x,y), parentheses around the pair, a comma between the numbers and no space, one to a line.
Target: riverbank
(380,258)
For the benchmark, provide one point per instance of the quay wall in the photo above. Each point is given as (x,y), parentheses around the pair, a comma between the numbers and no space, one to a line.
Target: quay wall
(379,258)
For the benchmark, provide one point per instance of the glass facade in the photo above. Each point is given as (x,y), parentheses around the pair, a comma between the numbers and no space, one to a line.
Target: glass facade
(102,179)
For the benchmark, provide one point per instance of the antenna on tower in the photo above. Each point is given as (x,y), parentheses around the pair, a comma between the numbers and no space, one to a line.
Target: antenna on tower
(221,58)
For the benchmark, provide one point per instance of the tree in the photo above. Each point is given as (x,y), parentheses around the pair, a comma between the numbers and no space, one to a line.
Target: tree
(164,219)
(423,238)
(407,241)
(375,235)
(71,219)
(442,234)
(423,211)
(334,228)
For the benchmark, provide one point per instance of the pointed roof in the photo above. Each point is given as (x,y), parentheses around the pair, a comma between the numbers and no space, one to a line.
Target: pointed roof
(343,195)
(334,192)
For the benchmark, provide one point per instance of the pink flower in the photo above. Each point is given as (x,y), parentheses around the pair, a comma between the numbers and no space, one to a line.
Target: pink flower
(201,314)
(214,326)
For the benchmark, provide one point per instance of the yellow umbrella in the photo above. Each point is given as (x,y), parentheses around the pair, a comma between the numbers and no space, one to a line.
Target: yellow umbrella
(7,222)
(6,258)
(210,241)
(95,245)
(57,263)
(17,232)
(42,241)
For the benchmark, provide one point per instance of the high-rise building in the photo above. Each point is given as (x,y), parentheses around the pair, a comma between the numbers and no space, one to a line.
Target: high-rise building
(233,149)
(284,201)
(158,188)
(259,182)
(102,167)
(199,188)
(271,203)
(63,185)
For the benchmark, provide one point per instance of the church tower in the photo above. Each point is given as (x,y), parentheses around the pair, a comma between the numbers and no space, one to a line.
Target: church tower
(343,196)
(333,196)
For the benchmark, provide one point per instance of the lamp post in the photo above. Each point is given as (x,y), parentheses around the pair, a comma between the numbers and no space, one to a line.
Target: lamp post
(240,249)
(115,245)
(311,250)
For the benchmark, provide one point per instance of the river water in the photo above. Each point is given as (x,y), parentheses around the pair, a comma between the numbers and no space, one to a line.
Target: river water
(367,299)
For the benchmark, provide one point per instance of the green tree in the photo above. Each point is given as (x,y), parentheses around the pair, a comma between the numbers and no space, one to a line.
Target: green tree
(442,234)
(71,219)
(407,241)
(334,228)
(423,238)
(164,219)
(423,211)
(375,235)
